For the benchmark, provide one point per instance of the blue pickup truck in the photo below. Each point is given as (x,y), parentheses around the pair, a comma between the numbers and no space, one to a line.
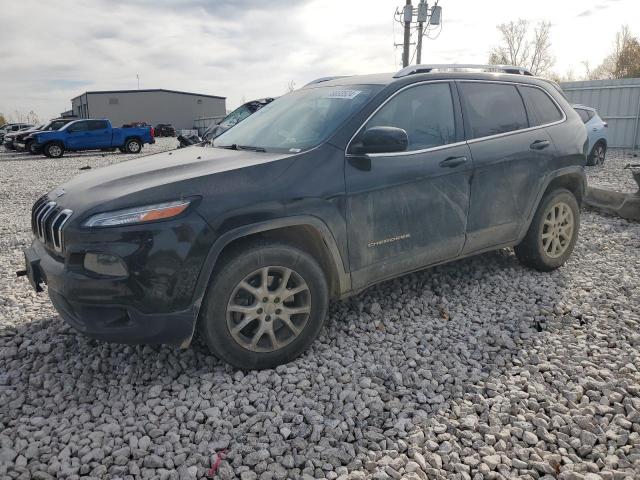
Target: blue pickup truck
(92,135)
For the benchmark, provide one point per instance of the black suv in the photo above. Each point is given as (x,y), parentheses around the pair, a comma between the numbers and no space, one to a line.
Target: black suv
(25,140)
(165,130)
(323,192)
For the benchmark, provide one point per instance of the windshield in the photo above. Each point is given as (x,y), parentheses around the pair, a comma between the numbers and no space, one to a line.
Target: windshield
(299,120)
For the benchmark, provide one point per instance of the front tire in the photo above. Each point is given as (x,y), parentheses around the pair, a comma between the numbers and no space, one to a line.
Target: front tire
(553,232)
(54,150)
(133,145)
(265,305)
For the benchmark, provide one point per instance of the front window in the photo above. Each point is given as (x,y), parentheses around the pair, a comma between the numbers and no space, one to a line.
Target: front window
(299,120)
(425,112)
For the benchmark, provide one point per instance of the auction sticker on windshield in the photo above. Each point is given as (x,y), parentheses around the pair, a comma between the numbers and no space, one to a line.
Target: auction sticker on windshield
(343,93)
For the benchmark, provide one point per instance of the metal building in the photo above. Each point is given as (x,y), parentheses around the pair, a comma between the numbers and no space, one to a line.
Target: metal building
(617,102)
(181,109)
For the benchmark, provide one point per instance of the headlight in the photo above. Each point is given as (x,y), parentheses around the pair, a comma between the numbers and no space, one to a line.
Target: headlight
(128,216)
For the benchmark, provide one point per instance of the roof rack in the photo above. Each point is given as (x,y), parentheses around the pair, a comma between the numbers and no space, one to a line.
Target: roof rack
(324,79)
(413,69)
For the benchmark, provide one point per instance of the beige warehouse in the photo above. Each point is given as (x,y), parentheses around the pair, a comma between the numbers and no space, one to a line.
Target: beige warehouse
(152,106)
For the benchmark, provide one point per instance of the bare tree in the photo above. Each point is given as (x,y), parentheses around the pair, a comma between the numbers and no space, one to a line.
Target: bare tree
(622,62)
(291,86)
(21,117)
(521,47)
(2,119)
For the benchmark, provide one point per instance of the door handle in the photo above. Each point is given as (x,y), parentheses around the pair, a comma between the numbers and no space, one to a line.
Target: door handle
(539,144)
(452,162)
(594,129)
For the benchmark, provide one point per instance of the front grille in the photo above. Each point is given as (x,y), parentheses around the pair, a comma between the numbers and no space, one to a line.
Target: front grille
(47,221)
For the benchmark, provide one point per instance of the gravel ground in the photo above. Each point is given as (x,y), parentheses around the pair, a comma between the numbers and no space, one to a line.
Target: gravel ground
(476,369)
(611,175)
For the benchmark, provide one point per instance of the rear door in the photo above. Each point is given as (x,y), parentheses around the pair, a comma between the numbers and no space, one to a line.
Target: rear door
(99,133)
(511,151)
(406,210)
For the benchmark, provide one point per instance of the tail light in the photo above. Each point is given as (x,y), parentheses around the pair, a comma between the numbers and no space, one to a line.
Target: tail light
(153,132)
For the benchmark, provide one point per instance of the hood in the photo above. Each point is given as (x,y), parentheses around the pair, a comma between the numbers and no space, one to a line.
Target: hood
(104,185)
(19,132)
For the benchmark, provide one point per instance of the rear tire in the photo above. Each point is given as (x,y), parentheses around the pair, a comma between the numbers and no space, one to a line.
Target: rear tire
(277,330)
(553,232)
(133,145)
(598,154)
(53,150)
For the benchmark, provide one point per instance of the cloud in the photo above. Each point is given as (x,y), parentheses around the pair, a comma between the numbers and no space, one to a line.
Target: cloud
(66,84)
(246,48)
(585,13)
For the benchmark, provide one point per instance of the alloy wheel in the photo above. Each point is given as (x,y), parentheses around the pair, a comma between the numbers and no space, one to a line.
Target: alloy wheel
(55,151)
(557,229)
(268,309)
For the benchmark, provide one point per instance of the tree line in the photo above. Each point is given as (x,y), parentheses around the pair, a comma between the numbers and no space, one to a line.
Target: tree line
(527,45)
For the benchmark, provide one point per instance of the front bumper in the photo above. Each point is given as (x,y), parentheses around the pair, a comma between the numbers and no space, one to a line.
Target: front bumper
(153,304)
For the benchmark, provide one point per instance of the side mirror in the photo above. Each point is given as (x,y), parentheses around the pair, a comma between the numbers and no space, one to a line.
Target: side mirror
(384,140)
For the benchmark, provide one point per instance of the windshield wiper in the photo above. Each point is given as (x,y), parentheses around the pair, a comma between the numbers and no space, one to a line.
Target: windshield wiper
(235,146)
(250,147)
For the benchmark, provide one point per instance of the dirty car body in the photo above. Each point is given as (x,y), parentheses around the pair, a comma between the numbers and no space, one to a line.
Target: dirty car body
(457,190)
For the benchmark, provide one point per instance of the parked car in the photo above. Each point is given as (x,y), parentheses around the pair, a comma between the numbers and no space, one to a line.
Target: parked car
(25,140)
(12,127)
(10,137)
(165,130)
(334,187)
(597,130)
(235,117)
(92,134)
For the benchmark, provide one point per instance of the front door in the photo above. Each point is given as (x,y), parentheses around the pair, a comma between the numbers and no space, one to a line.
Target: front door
(77,135)
(407,210)
(99,133)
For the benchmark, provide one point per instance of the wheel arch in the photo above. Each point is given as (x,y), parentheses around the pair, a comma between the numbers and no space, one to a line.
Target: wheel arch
(570,178)
(310,232)
(133,137)
(316,238)
(601,140)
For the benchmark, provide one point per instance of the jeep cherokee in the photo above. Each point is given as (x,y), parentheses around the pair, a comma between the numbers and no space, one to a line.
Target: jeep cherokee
(327,190)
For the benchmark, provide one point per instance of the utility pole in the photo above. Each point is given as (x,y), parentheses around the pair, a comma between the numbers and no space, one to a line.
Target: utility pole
(422,17)
(408,16)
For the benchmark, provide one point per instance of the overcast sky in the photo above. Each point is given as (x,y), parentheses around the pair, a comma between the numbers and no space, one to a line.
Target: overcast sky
(245,49)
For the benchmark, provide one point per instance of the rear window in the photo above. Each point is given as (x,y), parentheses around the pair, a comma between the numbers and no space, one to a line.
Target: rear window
(493,108)
(541,108)
(584,115)
(98,125)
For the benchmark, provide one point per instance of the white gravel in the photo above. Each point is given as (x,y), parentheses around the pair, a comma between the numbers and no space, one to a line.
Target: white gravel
(478,369)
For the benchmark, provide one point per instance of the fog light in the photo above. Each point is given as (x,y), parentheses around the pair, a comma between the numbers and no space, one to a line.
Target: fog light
(105,264)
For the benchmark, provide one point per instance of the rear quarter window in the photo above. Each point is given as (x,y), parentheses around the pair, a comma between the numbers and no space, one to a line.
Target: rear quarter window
(583,114)
(493,108)
(541,108)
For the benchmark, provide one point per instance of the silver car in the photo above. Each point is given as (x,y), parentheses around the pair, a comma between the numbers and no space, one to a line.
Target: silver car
(597,133)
